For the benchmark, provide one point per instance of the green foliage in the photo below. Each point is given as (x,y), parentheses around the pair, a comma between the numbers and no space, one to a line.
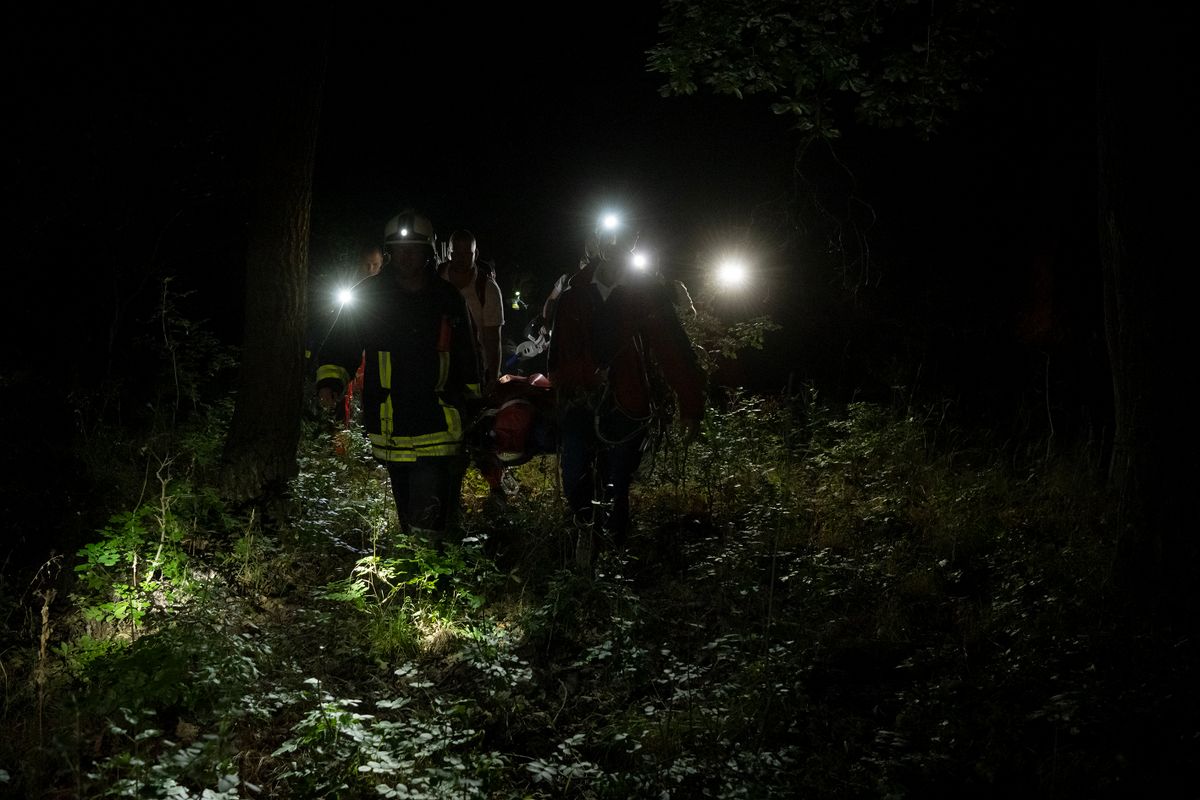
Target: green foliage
(933,603)
(80,654)
(740,467)
(191,356)
(258,563)
(137,564)
(192,665)
(399,751)
(204,436)
(410,574)
(715,338)
(198,669)
(395,635)
(140,562)
(893,64)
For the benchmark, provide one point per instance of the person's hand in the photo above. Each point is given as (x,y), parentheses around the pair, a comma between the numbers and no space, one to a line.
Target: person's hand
(327,397)
(689,430)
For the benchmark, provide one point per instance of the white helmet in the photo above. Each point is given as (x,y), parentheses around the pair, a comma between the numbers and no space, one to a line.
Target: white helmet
(409,227)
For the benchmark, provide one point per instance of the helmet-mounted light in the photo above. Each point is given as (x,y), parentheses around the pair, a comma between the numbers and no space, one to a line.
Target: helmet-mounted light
(615,240)
(731,274)
(409,227)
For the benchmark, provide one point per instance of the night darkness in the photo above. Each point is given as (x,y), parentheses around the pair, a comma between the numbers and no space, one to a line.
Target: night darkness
(131,147)
(965,268)
(131,141)
(963,273)
(962,268)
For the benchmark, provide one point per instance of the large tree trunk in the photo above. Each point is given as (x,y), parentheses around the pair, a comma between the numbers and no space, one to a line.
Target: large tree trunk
(260,450)
(1140,224)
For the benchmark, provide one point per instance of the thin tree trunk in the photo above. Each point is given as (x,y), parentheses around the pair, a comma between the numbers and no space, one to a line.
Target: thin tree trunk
(1140,219)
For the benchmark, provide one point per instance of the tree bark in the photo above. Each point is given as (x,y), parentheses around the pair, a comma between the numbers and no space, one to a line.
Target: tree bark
(260,449)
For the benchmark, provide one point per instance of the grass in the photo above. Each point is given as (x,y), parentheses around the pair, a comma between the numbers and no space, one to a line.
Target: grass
(829,602)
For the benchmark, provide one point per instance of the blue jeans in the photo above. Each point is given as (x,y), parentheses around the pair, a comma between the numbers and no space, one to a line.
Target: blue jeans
(612,455)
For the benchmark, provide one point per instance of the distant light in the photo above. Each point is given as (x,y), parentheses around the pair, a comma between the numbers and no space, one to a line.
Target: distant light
(731,274)
(345,296)
(640,260)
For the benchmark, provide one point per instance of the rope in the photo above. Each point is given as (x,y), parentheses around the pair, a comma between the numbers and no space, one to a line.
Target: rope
(642,422)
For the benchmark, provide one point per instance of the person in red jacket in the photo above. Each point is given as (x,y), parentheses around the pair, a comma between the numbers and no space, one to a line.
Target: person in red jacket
(612,325)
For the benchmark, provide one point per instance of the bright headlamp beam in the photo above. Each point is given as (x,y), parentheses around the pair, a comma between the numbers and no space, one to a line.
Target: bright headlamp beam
(345,297)
(731,274)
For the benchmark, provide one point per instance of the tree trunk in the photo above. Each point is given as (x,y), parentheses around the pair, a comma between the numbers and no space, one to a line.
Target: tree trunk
(260,449)
(1140,221)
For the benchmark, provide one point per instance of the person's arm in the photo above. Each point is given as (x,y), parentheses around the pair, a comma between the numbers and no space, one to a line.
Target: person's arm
(552,298)
(673,351)
(463,383)
(337,361)
(489,335)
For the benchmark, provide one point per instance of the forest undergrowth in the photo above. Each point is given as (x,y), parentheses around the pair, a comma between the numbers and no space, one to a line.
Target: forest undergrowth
(823,601)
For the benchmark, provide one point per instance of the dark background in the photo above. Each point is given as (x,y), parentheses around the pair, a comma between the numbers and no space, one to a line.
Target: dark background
(964,267)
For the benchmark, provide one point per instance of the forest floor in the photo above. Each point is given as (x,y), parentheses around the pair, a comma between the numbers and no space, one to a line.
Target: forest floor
(863,607)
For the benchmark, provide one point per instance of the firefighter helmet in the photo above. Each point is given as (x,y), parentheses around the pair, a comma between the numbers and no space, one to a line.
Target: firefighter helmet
(409,227)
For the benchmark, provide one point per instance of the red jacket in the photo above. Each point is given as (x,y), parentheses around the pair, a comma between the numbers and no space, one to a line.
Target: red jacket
(594,339)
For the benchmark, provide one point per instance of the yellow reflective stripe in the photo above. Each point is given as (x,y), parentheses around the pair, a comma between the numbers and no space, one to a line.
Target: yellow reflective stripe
(385,369)
(385,418)
(453,436)
(443,371)
(333,371)
(385,381)
(409,448)
(414,443)
(396,449)
(388,455)
(473,391)
(388,447)
(453,421)
(383,454)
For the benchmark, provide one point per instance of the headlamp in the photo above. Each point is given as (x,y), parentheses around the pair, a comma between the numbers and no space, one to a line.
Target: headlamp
(731,274)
